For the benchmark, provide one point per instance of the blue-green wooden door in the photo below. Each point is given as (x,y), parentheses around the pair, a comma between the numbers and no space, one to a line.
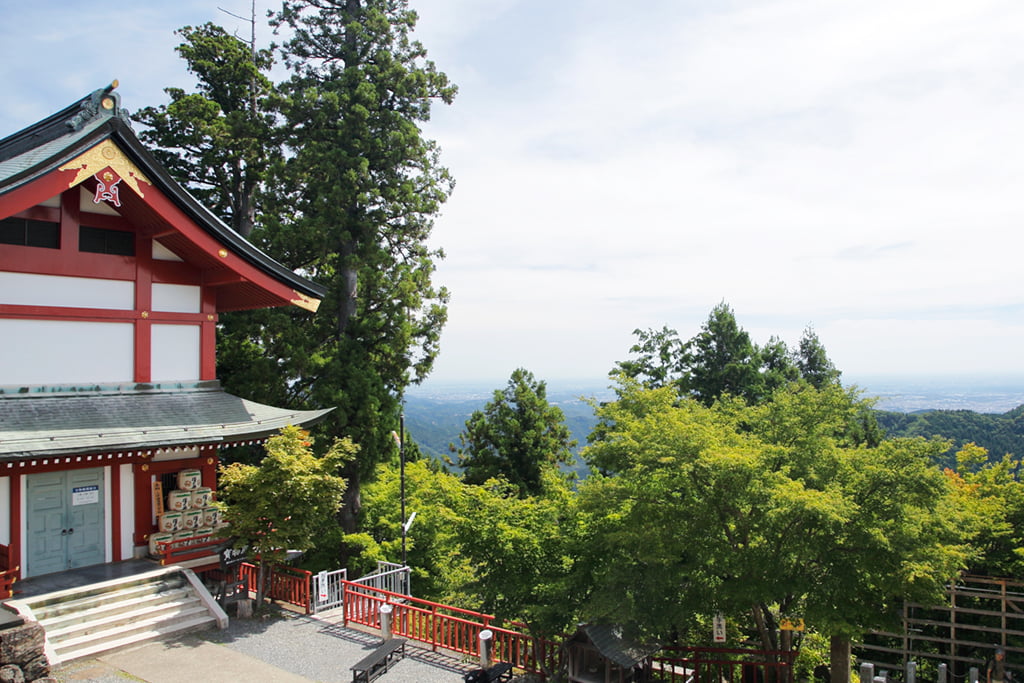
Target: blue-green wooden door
(65,520)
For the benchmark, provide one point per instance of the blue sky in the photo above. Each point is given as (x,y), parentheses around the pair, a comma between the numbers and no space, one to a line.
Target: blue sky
(852,166)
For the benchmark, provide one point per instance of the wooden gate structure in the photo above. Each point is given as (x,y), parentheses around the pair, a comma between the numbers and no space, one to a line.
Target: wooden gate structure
(981,614)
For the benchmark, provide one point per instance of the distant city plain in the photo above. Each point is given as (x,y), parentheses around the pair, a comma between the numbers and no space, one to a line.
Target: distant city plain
(907,394)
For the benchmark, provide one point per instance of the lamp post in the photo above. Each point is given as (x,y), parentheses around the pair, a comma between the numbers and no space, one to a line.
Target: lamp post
(401,460)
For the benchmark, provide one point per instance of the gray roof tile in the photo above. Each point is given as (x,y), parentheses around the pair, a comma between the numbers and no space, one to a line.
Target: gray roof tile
(39,421)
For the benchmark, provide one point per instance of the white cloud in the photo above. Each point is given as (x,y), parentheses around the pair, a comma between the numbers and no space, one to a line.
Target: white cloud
(851,165)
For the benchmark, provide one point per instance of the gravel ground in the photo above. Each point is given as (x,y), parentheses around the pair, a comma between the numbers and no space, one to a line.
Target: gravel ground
(318,649)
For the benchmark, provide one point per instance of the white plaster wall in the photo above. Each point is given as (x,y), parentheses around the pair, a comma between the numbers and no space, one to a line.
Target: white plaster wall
(175,353)
(176,298)
(5,510)
(127,511)
(87,203)
(162,253)
(51,352)
(31,289)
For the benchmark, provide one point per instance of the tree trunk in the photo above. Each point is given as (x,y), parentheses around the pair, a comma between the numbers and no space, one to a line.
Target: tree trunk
(347,301)
(765,627)
(348,514)
(839,660)
(261,583)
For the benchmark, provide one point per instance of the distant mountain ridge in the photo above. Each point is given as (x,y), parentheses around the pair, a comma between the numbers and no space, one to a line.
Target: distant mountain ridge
(436,418)
(987,411)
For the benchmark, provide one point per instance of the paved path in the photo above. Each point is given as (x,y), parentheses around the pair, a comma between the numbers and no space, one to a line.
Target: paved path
(289,648)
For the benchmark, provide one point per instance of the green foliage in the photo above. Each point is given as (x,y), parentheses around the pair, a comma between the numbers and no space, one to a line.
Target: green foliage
(347,187)
(721,360)
(734,507)
(481,547)
(354,205)
(997,434)
(221,140)
(659,360)
(524,551)
(517,436)
(814,652)
(813,362)
(289,500)
(992,495)
(440,570)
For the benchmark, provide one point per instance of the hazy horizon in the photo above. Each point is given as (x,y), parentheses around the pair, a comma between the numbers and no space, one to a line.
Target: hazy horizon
(982,392)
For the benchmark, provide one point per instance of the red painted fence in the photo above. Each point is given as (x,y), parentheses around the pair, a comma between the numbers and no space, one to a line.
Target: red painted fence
(8,572)
(449,627)
(188,549)
(287,584)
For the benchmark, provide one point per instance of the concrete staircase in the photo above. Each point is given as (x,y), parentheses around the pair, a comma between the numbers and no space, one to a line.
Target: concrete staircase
(85,621)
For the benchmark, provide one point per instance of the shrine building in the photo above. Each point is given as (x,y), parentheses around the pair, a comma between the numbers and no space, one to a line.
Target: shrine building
(112,278)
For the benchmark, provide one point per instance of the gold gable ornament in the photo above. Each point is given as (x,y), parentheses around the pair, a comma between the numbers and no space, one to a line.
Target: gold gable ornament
(106,156)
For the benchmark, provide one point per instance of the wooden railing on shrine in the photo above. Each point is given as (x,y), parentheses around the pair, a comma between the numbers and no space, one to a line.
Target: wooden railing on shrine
(287,584)
(451,628)
(199,552)
(9,571)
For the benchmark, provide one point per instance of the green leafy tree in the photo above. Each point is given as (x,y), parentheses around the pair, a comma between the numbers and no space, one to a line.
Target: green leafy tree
(440,570)
(517,436)
(813,361)
(524,552)
(991,492)
(220,140)
(778,367)
(761,512)
(721,359)
(286,502)
(659,360)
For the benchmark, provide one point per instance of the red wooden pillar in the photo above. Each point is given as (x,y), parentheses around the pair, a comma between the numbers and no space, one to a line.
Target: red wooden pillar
(143,308)
(115,510)
(208,337)
(143,503)
(16,540)
(208,466)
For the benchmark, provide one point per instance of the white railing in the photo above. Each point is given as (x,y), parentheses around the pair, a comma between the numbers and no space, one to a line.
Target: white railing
(388,577)
(328,592)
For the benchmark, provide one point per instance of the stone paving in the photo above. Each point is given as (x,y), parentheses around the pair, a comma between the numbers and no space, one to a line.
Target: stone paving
(286,647)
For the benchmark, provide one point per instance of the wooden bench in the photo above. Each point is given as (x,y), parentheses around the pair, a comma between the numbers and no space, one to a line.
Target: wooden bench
(502,671)
(379,659)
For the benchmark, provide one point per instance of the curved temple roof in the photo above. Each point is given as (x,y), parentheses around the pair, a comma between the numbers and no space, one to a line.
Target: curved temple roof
(48,146)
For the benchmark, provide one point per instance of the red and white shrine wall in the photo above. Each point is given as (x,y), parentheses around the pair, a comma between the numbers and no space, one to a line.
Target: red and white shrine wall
(89,298)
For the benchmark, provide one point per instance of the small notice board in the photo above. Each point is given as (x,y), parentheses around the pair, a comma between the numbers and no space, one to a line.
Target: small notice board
(158,497)
(85,495)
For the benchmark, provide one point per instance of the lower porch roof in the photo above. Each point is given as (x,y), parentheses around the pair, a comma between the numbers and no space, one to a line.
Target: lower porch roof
(52,421)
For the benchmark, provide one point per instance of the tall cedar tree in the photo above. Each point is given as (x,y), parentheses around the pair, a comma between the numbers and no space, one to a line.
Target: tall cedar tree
(721,359)
(353,210)
(350,187)
(516,436)
(219,141)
